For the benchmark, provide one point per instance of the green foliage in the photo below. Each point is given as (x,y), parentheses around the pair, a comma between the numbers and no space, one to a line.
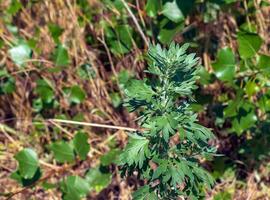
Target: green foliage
(60,56)
(7,82)
(165,113)
(172,11)
(97,179)
(63,151)
(249,44)
(75,94)
(81,145)
(75,188)
(28,163)
(20,53)
(224,67)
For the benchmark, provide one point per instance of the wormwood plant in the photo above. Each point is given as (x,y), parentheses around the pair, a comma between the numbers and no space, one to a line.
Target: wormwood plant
(167,153)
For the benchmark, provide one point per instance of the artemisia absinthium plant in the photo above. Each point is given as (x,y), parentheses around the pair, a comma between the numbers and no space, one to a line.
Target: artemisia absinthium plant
(167,152)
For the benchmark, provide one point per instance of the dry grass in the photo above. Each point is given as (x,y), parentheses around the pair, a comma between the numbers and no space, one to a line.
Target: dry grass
(16,109)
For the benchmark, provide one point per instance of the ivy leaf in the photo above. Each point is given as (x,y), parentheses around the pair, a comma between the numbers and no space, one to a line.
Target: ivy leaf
(264,64)
(77,95)
(75,188)
(26,182)
(60,56)
(98,180)
(81,145)
(63,152)
(20,53)
(152,8)
(110,157)
(56,31)
(224,67)
(7,82)
(28,163)
(172,11)
(136,151)
(249,44)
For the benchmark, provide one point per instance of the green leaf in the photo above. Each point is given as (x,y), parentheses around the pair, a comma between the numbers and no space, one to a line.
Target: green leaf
(23,181)
(168,32)
(224,67)
(86,71)
(75,188)
(77,95)
(124,34)
(264,62)
(60,56)
(152,8)
(20,53)
(249,44)
(144,193)
(251,88)
(28,163)
(98,180)
(56,31)
(136,151)
(7,82)
(45,93)
(116,99)
(140,90)
(14,7)
(173,12)
(81,145)
(110,157)
(63,152)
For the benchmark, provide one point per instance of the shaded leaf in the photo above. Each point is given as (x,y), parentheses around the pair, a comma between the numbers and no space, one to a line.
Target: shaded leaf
(98,180)
(81,145)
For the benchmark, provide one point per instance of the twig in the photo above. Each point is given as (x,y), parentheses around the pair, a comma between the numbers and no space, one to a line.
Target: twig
(136,23)
(92,124)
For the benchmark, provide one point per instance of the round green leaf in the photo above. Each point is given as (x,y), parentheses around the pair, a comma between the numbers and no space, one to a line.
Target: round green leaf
(28,162)
(249,44)
(63,152)
(20,53)
(81,145)
(224,67)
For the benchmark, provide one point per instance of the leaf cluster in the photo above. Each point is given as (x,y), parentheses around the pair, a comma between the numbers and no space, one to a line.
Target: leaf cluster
(168,151)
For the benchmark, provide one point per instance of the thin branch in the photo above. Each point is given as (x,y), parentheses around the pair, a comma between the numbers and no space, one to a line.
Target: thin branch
(92,124)
(136,23)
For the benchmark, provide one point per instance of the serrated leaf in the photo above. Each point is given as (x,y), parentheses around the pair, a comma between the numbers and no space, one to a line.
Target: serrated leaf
(136,151)
(144,193)
(249,44)
(28,162)
(139,89)
(224,67)
(81,145)
(63,152)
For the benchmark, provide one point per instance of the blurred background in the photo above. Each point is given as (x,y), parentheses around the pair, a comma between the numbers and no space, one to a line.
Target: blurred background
(71,60)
